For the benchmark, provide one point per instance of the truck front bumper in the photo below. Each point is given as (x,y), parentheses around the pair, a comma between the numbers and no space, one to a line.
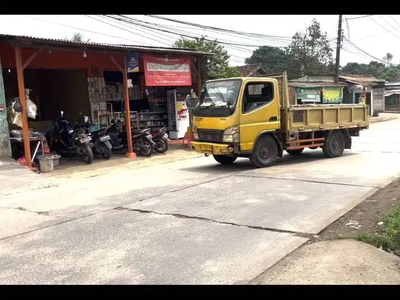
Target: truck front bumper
(212,148)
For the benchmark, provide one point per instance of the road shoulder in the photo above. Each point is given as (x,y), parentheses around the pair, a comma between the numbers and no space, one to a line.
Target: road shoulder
(335,256)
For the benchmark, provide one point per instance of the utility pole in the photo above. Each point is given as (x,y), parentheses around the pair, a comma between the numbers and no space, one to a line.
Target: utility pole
(338,45)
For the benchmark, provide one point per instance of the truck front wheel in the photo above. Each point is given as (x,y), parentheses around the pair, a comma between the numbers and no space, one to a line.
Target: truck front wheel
(265,152)
(225,160)
(334,145)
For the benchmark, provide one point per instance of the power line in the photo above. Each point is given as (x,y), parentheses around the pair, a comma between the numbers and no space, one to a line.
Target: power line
(220,29)
(380,60)
(131,31)
(383,27)
(186,35)
(394,20)
(169,40)
(77,28)
(359,17)
(389,24)
(189,33)
(241,36)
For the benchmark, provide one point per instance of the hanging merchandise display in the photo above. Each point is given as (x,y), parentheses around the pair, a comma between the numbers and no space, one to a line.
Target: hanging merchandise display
(30,105)
(96,88)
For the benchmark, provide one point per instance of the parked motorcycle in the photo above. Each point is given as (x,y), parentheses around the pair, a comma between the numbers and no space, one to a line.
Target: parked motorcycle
(160,137)
(142,140)
(72,141)
(101,142)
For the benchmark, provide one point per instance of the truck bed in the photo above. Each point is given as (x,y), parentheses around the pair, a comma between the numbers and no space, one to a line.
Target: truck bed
(314,117)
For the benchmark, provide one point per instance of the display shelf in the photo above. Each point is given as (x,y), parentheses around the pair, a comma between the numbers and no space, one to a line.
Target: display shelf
(152,112)
(147,120)
(148,126)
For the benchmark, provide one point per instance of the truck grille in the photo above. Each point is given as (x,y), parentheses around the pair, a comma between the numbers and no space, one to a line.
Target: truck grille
(210,135)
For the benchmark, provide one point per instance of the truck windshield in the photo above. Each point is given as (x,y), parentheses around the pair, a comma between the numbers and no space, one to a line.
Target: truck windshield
(217,95)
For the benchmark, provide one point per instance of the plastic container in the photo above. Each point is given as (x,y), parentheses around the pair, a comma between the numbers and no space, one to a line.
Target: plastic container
(46,163)
(56,160)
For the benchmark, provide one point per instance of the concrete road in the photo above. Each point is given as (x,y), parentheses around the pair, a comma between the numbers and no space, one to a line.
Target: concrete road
(191,221)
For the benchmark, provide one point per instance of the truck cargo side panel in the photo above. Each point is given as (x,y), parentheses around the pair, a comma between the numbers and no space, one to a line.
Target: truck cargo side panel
(327,117)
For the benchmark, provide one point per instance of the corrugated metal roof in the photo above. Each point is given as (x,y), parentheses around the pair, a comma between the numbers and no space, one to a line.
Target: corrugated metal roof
(392,84)
(316,84)
(101,45)
(363,80)
(392,92)
(316,78)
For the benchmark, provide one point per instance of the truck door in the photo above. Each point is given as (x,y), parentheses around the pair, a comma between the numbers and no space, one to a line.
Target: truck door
(259,111)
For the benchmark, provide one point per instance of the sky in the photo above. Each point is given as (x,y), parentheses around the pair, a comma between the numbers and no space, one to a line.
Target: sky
(370,36)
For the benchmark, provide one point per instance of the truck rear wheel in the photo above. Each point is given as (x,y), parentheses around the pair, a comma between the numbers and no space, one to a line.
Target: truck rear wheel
(334,145)
(295,151)
(265,152)
(225,160)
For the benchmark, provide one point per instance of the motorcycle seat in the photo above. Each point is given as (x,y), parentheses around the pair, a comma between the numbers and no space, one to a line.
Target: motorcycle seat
(139,131)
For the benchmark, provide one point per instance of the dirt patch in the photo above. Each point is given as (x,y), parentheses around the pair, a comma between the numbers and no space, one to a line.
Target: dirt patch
(76,169)
(366,219)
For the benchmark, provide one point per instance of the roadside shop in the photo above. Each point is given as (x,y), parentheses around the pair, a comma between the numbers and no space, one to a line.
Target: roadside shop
(102,81)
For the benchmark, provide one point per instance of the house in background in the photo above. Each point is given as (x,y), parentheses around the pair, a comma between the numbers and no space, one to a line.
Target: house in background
(252,70)
(348,90)
(392,97)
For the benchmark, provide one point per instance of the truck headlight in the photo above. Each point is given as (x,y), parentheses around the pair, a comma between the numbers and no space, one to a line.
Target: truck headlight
(231,135)
(195,134)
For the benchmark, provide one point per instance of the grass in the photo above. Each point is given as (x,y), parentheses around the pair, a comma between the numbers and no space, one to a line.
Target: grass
(388,237)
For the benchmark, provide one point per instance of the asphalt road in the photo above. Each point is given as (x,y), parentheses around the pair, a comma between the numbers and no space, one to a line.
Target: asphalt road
(187,222)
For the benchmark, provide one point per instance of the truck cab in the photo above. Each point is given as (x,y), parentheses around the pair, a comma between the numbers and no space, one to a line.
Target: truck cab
(231,113)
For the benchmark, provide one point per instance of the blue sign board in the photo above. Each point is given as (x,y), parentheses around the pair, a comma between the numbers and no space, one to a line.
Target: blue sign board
(132,63)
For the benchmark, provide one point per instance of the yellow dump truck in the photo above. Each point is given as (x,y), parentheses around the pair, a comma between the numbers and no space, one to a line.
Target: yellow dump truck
(252,117)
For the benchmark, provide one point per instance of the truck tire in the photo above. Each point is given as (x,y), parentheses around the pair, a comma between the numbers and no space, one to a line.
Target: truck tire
(225,160)
(295,151)
(334,145)
(265,152)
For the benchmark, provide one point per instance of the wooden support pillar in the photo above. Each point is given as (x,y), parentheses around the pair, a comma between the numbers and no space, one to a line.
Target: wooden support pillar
(31,58)
(198,79)
(22,99)
(130,153)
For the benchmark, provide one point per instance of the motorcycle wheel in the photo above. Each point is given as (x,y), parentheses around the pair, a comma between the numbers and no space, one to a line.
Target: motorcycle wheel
(87,153)
(146,149)
(105,151)
(161,146)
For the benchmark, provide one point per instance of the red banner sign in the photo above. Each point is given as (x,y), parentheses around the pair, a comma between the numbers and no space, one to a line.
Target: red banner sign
(163,71)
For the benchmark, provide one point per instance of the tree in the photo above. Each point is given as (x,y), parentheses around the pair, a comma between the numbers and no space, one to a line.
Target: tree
(271,58)
(390,75)
(388,59)
(309,53)
(374,68)
(217,65)
(76,37)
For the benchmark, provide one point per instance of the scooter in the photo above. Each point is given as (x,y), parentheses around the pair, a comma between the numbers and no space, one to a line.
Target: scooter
(142,140)
(101,142)
(160,137)
(72,141)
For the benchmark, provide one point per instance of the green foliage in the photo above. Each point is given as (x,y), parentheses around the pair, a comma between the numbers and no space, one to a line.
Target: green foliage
(271,58)
(389,236)
(374,68)
(309,53)
(76,37)
(217,65)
